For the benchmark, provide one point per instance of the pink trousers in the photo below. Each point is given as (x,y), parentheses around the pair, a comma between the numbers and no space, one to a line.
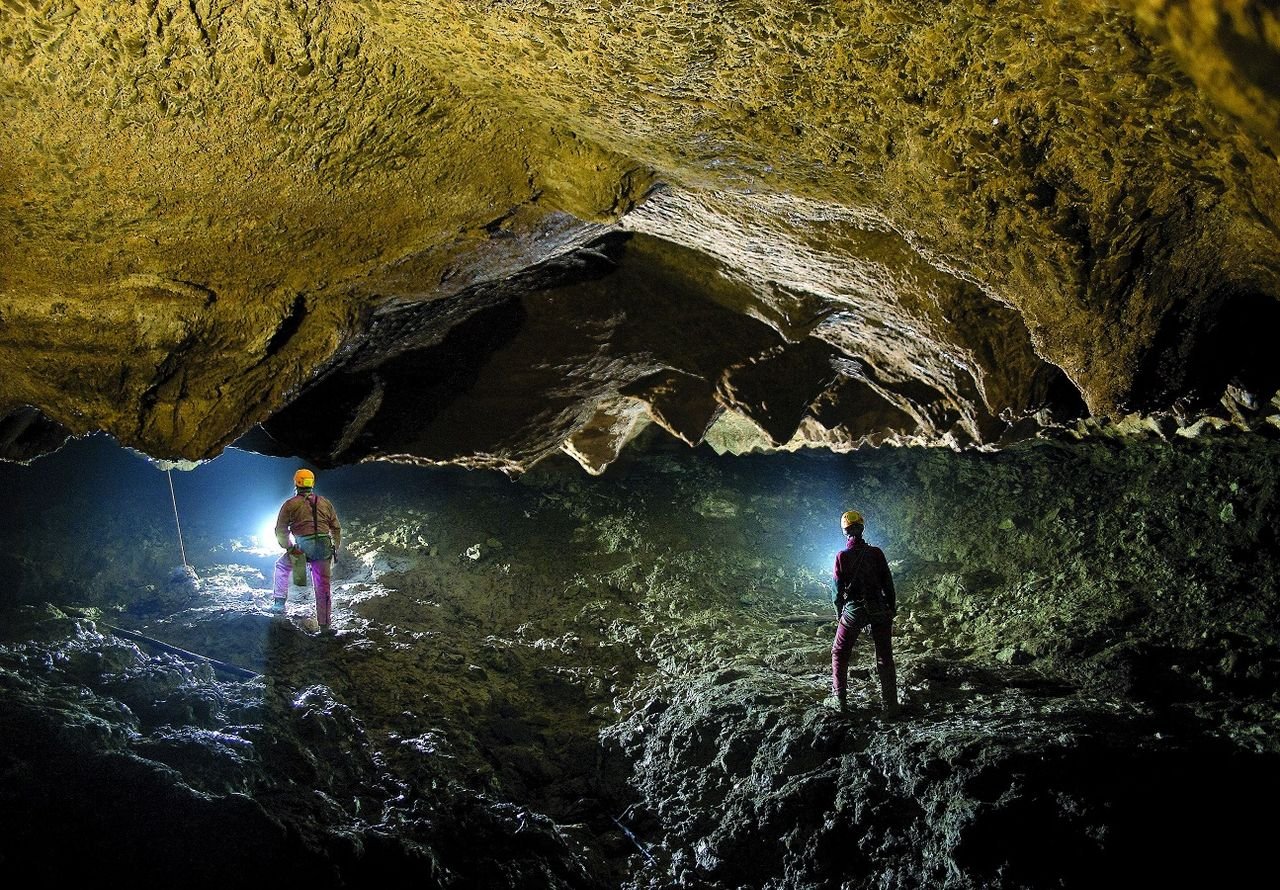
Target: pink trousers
(321,575)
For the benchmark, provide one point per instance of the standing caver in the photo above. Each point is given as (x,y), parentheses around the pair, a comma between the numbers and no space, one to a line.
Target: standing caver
(308,529)
(863,595)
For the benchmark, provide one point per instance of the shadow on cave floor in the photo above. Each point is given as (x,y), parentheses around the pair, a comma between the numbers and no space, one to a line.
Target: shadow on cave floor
(563,682)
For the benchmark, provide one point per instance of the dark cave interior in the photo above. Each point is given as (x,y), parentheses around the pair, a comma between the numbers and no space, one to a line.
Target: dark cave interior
(593,318)
(573,681)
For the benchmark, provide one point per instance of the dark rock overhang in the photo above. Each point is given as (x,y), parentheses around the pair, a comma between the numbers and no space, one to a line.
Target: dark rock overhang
(484,233)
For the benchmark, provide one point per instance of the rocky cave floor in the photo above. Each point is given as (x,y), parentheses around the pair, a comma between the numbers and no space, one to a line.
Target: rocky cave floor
(566,681)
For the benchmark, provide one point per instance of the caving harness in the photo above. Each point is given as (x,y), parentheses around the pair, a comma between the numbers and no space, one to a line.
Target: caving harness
(305,548)
(856,595)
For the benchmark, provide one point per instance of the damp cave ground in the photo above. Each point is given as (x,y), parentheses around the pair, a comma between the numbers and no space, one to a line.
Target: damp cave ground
(567,681)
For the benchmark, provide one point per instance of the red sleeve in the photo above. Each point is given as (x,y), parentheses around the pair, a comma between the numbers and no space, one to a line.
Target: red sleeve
(282,518)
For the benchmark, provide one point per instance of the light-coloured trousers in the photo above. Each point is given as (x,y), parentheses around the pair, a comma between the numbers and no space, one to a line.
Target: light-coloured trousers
(321,580)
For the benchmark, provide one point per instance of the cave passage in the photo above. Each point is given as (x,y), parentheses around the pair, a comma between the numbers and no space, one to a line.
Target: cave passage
(622,681)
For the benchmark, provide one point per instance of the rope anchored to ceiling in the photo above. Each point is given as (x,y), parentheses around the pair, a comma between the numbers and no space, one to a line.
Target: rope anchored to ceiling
(176,521)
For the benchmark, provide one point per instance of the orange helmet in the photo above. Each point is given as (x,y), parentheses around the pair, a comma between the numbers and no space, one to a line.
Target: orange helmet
(304,478)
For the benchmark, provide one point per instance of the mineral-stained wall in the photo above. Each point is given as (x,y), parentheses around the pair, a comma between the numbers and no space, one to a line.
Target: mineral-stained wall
(947,221)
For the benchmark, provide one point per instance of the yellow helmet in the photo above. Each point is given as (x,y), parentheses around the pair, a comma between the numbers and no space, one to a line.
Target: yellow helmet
(304,478)
(851,517)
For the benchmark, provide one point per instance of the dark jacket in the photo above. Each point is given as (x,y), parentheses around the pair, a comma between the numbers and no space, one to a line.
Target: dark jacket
(862,577)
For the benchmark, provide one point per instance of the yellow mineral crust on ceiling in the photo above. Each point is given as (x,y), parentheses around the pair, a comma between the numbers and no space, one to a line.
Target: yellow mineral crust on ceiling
(926,220)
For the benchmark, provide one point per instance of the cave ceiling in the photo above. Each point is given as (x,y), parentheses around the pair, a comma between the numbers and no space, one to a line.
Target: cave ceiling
(486,232)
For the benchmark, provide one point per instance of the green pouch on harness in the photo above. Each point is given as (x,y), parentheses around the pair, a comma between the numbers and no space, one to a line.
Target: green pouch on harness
(316,547)
(299,560)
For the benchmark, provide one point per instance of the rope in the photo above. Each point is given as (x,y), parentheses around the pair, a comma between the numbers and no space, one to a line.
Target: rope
(234,670)
(617,820)
(174,498)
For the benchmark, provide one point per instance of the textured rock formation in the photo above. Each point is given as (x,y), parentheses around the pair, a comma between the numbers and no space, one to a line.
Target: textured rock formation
(951,223)
(1232,51)
(619,682)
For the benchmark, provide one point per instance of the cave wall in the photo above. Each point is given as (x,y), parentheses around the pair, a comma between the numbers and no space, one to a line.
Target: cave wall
(647,652)
(963,221)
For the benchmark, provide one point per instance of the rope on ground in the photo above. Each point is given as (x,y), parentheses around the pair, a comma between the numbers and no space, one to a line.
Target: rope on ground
(234,670)
(627,831)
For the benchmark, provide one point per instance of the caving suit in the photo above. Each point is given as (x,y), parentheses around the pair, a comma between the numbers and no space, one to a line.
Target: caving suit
(863,595)
(313,523)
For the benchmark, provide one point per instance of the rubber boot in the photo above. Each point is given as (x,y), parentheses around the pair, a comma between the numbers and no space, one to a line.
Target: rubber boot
(889,694)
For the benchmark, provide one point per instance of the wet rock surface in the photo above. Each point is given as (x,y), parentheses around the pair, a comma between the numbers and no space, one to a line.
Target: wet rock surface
(621,682)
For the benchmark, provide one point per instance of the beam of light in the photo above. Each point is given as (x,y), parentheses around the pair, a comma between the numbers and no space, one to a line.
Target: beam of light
(262,542)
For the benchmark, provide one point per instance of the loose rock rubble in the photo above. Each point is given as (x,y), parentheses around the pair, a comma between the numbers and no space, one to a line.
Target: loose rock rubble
(629,687)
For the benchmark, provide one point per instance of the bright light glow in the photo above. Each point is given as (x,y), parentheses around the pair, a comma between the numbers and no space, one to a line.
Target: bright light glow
(266,536)
(263,541)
